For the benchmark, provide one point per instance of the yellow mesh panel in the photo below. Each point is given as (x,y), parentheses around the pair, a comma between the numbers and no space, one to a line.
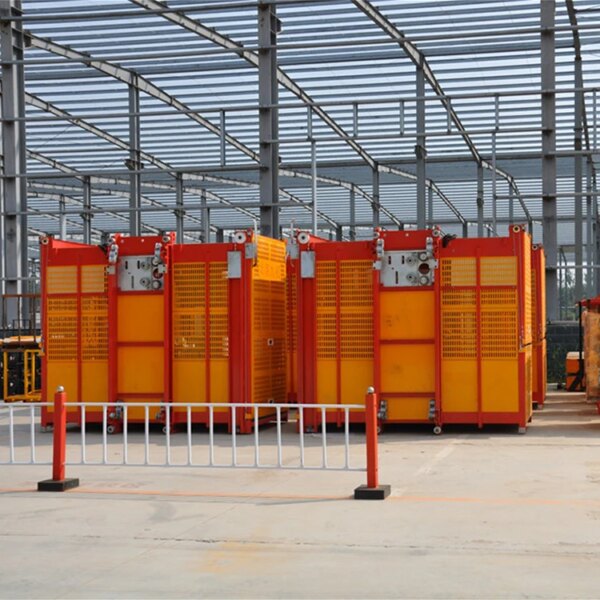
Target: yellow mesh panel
(458,271)
(218,311)
(93,279)
(94,328)
(498,270)
(269,322)
(189,322)
(534,316)
(527,299)
(459,334)
(292,314)
(326,308)
(62,328)
(270,264)
(356,309)
(61,280)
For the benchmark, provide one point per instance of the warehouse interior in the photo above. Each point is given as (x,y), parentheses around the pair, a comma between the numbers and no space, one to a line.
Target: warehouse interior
(283,132)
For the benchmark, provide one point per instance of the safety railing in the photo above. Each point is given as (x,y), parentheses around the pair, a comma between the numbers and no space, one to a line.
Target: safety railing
(129,435)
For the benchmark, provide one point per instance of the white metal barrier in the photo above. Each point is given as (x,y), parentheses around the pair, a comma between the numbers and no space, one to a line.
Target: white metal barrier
(296,450)
(137,445)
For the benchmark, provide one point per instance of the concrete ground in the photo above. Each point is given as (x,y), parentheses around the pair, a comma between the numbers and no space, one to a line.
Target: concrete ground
(489,514)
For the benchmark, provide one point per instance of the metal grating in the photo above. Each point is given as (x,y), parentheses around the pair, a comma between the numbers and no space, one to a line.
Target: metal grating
(356,309)
(326,310)
(461,271)
(61,280)
(459,334)
(218,309)
(94,328)
(498,270)
(93,279)
(62,329)
(189,306)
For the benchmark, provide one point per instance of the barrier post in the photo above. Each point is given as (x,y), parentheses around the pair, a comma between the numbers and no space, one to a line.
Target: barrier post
(59,483)
(373,490)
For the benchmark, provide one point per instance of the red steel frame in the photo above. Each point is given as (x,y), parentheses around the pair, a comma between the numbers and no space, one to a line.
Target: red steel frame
(307,322)
(516,244)
(58,253)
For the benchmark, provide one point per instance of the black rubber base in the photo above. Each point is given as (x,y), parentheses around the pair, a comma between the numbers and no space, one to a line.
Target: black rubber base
(49,485)
(381,492)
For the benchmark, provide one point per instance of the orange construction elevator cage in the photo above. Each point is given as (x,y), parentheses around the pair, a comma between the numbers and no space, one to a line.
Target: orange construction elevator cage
(144,320)
(486,330)
(367,317)
(538,319)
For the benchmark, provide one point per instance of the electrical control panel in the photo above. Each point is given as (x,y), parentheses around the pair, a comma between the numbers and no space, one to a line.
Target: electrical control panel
(140,273)
(407,268)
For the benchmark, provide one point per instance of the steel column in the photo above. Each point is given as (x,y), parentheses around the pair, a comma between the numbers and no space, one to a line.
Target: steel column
(220,235)
(62,220)
(375,194)
(548,79)
(268,119)
(589,231)
(511,205)
(352,232)
(429,206)
(134,163)
(578,175)
(179,212)
(480,201)
(313,186)
(13,232)
(420,150)
(205,218)
(86,215)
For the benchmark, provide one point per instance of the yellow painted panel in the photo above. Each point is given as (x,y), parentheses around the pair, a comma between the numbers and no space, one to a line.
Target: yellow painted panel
(141,318)
(65,374)
(188,382)
(407,315)
(408,368)
(356,377)
(534,371)
(94,382)
(459,386)
(219,382)
(407,409)
(326,383)
(499,386)
(140,370)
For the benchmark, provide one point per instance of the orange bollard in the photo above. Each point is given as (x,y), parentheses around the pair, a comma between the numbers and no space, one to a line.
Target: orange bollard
(372,491)
(59,483)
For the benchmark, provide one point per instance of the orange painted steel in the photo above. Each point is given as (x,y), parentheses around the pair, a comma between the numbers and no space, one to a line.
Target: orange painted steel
(357,330)
(486,332)
(144,319)
(538,306)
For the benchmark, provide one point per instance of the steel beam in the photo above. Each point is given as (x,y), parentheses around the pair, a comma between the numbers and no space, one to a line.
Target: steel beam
(548,80)
(589,231)
(578,177)
(179,212)
(205,220)
(253,58)
(13,242)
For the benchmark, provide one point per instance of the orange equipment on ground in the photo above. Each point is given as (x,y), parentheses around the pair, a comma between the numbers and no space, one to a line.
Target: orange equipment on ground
(575,372)
(538,319)
(591,346)
(367,317)
(144,320)
(441,327)
(20,364)
(486,330)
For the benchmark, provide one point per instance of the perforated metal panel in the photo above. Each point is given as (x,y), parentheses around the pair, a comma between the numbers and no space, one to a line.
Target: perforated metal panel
(326,310)
(62,328)
(498,270)
(269,322)
(459,334)
(527,298)
(61,280)
(461,271)
(218,310)
(189,320)
(94,328)
(356,309)
(93,279)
